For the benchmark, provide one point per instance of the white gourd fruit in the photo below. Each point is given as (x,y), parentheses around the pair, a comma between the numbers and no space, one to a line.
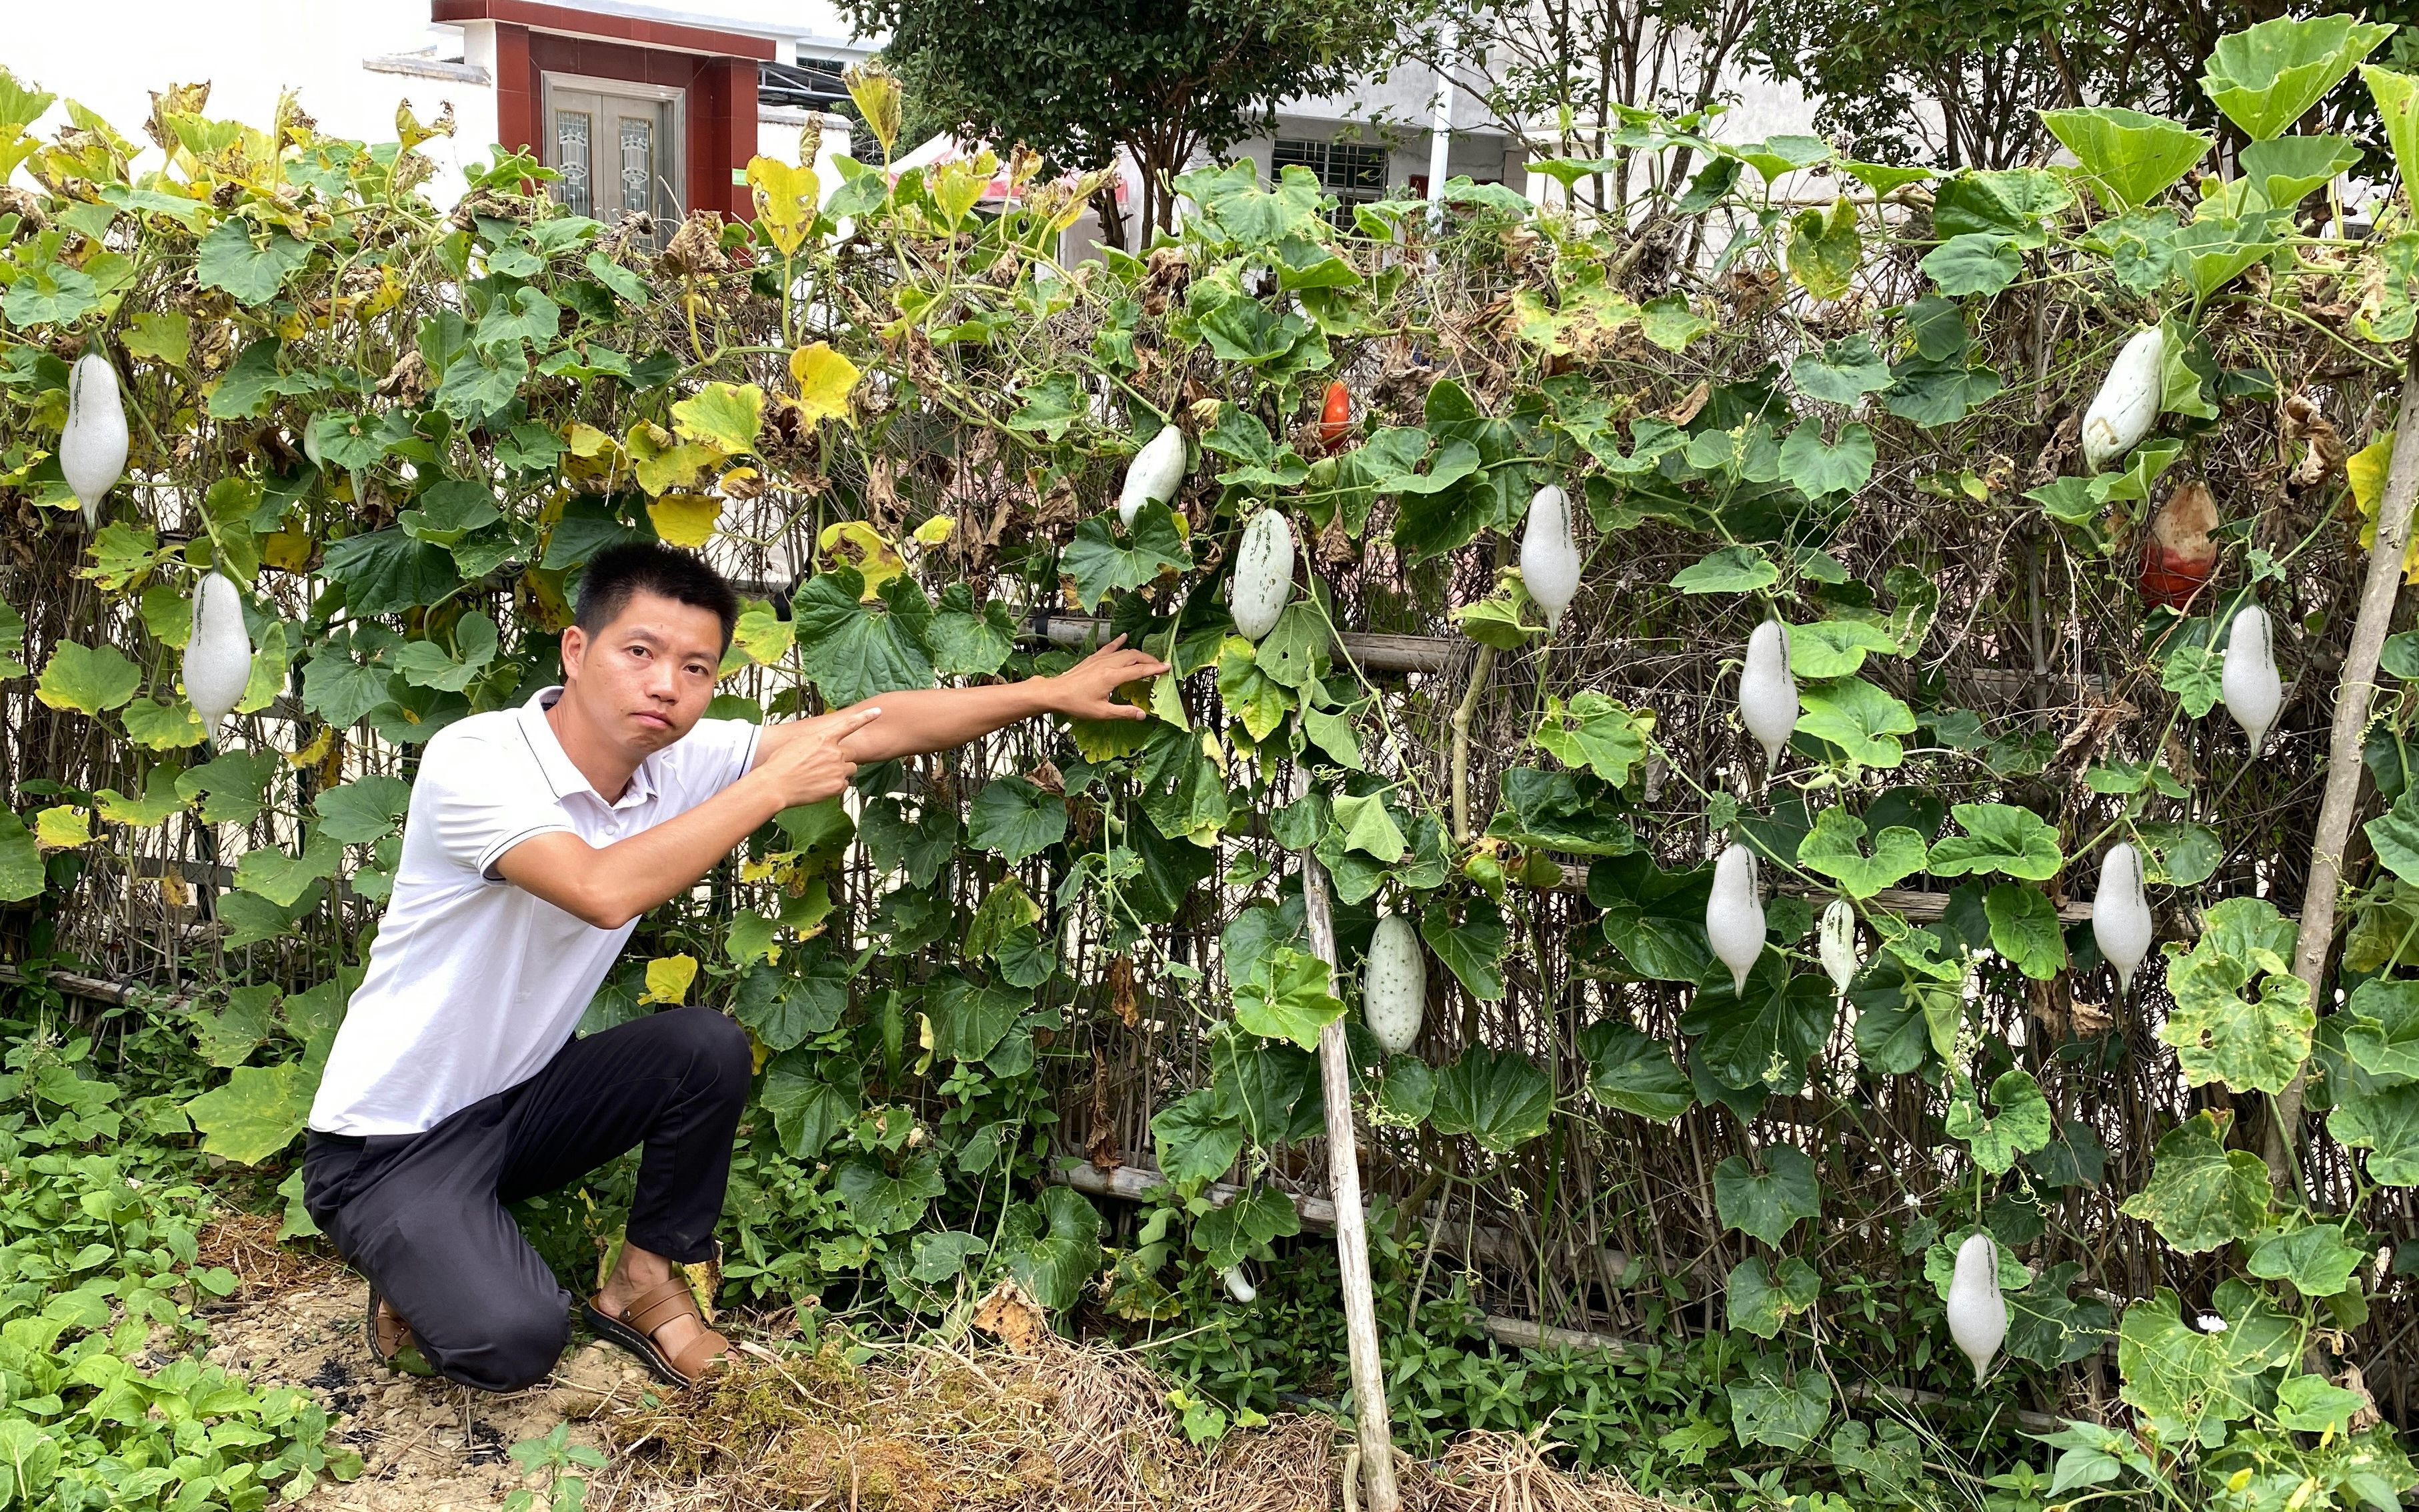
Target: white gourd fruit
(2128,400)
(1977,1315)
(1735,914)
(1263,579)
(2120,913)
(1767,689)
(1838,944)
(217,654)
(311,442)
(2253,691)
(1154,474)
(1550,558)
(1239,1285)
(92,450)
(1395,987)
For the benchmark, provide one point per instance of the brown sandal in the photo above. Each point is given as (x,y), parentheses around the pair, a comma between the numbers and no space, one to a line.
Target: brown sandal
(635,1331)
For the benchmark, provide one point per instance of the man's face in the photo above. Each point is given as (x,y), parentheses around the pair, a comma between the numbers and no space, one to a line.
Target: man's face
(645,678)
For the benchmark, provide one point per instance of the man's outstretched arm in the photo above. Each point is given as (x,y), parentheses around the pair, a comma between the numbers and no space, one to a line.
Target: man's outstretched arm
(928,719)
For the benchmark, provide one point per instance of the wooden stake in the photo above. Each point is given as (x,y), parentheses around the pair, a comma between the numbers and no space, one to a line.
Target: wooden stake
(2353,695)
(1377,1472)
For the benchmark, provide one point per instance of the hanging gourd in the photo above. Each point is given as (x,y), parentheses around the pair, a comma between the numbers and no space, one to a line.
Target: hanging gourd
(218,653)
(1239,1285)
(2178,556)
(1263,579)
(1152,477)
(2120,913)
(92,450)
(2254,692)
(1837,944)
(1977,1315)
(1336,416)
(1394,989)
(1735,914)
(311,443)
(1767,689)
(2128,400)
(1550,558)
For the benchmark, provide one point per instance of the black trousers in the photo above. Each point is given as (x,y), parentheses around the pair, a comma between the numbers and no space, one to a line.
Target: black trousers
(423,1215)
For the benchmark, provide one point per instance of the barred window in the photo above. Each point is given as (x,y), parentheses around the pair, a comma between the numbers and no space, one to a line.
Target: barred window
(1354,172)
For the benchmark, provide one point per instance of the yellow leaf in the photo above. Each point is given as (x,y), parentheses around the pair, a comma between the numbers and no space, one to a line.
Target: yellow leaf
(289,550)
(880,102)
(661,463)
(585,439)
(314,753)
(686,518)
(668,978)
(861,546)
(726,415)
(762,638)
(2367,469)
(824,378)
(786,199)
(936,530)
(62,829)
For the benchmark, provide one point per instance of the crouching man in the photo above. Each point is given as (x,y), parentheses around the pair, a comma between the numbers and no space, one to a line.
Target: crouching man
(536,839)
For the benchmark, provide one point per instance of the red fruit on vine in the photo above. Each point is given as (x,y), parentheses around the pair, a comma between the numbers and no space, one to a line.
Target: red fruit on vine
(1336,416)
(2178,556)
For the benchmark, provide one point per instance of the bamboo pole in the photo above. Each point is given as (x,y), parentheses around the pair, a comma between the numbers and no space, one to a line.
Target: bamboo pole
(2341,801)
(1351,1220)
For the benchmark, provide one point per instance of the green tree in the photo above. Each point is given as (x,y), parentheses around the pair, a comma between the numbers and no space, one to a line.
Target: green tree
(1163,79)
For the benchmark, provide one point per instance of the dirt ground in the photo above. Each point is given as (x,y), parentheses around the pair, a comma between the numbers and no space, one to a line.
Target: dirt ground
(1019,1421)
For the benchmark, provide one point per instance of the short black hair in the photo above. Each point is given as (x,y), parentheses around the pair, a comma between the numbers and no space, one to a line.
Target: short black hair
(619,571)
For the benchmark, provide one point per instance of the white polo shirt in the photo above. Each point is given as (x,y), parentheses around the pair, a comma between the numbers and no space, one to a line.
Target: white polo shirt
(473,985)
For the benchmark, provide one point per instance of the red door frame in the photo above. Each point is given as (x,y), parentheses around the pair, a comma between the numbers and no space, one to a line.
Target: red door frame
(716,67)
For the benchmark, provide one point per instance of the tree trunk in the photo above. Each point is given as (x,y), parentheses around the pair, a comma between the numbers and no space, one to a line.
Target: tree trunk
(2353,694)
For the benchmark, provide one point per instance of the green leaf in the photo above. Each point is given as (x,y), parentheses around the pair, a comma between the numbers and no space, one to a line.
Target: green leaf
(87,679)
(2397,102)
(2384,1122)
(1287,997)
(1764,1036)
(803,997)
(1246,1227)
(1634,1072)
(2380,1030)
(2241,1016)
(1014,818)
(1101,561)
(252,270)
(1978,262)
(1197,1138)
(227,1038)
(2130,156)
(967,643)
(1471,949)
(727,414)
(1497,1097)
(1826,249)
(2394,834)
(2001,837)
(256,1114)
(270,873)
(855,651)
(2266,77)
(2049,1326)
(1766,1204)
(881,1203)
(2285,171)
(1769,1409)
(2314,1259)
(1594,731)
(1669,323)
(2202,1194)
(1937,393)
(1859,718)
(2174,1371)
(2313,1404)
(2024,929)
(1052,1245)
(386,572)
(2179,854)
(1833,848)
(1814,468)
(2019,1120)
(1847,370)
(1825,649)
(1365,825)
(1733,569)
(363,809)
(1763,1300)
